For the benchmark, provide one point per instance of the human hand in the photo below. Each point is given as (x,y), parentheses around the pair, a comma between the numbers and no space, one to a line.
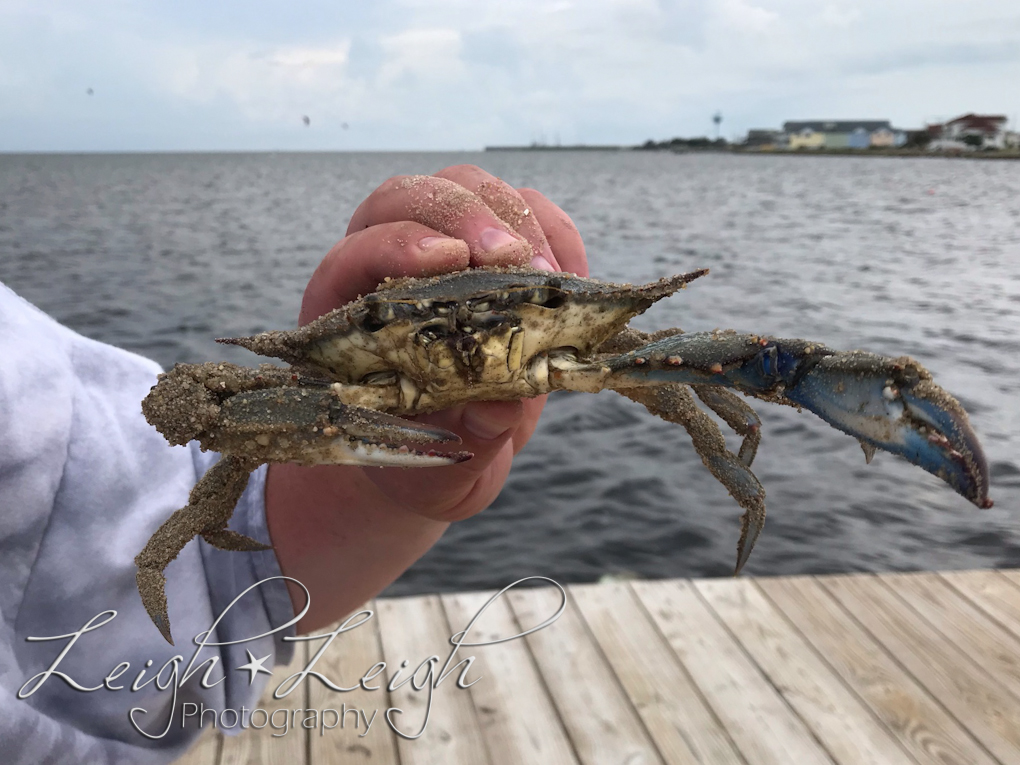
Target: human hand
(362,527)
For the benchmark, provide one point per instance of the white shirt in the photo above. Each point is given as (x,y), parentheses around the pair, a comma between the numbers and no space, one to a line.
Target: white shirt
(84,482)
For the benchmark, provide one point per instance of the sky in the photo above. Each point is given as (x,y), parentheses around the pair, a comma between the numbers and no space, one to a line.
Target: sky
(195,75)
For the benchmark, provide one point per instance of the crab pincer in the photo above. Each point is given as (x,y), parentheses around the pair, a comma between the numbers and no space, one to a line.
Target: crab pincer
(888,404)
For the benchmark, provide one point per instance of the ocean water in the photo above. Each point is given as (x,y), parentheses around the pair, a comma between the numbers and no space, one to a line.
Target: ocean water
(161,253)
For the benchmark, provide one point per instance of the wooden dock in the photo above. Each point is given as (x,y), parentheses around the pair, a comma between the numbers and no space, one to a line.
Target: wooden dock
(899,668)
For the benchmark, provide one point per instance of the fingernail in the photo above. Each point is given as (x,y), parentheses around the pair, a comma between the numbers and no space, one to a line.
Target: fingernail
(547,253)
(482,427)
(541,263)
(494,238)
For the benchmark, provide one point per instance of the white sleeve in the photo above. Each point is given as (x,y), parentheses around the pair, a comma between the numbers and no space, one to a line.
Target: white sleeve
(84,481)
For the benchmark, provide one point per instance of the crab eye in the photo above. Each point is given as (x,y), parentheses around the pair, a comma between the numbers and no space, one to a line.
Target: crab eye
(372,323)
(546,297)
(380,378)
(489,320)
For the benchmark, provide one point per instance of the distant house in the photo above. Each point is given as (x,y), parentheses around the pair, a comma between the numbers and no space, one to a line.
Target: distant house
(977,130)
(764,140)
(836,140)
(859,138)
(842,134)
(804,138)
(888,137)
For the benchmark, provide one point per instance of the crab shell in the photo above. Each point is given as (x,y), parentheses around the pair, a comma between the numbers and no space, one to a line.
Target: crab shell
(420,345)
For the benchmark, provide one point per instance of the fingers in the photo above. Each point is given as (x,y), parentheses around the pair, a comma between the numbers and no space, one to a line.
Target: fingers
(456,492)
(359,263)
(509,206)
(449,208)
(560,231)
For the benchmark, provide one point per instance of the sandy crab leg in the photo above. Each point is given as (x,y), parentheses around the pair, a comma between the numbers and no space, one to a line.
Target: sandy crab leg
(251,425)
(210,505)
(674,403)
(889,404)
(737,414)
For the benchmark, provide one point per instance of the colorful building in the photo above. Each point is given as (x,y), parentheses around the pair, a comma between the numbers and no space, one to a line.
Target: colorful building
(843,134)
(805,138)
(977,130)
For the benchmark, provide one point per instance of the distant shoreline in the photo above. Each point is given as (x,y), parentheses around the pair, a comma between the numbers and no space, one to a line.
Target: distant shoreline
(574,147)
(883,152)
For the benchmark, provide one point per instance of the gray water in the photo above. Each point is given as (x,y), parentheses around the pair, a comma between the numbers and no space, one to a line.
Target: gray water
(161,253)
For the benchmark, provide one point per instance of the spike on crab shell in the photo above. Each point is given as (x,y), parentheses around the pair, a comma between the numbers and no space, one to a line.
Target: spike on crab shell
(869,451)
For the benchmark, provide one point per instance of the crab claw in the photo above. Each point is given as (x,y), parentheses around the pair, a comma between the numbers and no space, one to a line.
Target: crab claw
(893,404)
(315,428)
(889,404)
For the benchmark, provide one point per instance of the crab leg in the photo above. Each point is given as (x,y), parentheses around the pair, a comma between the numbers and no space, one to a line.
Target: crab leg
(209,508)
(737,414)
(674,403)
(256,425)
(889,404)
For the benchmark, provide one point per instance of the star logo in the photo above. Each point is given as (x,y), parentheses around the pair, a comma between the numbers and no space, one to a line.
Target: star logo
(254,666)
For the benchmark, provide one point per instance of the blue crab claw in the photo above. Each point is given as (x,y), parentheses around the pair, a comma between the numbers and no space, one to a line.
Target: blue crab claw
(889,404)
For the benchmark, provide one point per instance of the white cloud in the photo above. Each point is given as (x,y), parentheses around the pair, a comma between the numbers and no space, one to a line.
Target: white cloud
(426,55)
(839,16)
(463,73)
(742,16)
(266,85)
(311,58)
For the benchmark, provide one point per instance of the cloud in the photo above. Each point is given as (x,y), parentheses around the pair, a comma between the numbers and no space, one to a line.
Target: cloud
(422,56)
(421,74)
(743,17)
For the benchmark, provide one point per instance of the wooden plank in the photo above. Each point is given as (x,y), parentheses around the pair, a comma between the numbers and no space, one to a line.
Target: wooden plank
(412,630)
(921,725)
(981,639)
(266,746)
(847,728)
(994,593)
(679,721)
(1012,575)
(361,736)
(987,710)
(205,751)
(602,723)
(759,721)
(519,721)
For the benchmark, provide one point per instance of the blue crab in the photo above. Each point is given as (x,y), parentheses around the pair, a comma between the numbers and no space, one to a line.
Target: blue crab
(421,345)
